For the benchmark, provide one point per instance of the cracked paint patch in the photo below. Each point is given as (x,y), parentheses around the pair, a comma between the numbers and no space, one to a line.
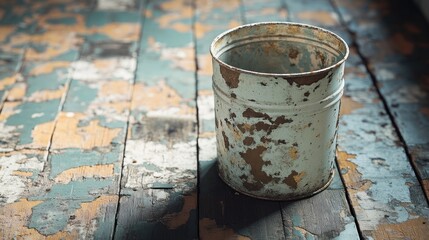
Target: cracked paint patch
(13,185)
(87,136)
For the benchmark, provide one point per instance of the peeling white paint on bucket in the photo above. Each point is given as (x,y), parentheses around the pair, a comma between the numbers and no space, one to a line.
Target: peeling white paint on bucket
(277,97)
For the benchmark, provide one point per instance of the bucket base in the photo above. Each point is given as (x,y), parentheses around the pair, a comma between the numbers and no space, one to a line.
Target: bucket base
(287,198)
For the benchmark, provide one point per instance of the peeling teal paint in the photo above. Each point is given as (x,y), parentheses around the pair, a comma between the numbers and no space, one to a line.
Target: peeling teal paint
(112,124)
(101,18)
(11,17)
(150,72)
(297,234)
(52,216)
(10,63)
(61,202)
(49,81)
(72,158)
(69,55)
(167,37)
(79,97)
(30,115)
(296,220)
(97,37)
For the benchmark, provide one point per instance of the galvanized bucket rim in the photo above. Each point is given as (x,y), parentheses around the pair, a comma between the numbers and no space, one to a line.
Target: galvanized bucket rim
(281,75)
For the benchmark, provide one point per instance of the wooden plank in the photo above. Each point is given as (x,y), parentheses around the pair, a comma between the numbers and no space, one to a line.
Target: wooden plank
(264,11)
(385,205)
(324,216)
(159,184)
(27,123)
(94,120)
(11,54)
(75,194)
(385,193)
(399,66)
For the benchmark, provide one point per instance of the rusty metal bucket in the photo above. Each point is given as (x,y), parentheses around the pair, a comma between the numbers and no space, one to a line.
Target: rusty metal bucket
(277,92)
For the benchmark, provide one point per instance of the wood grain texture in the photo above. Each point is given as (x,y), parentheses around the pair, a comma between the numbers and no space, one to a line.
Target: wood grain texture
(384,191)
(393,42)
(398,69)
(324,216)
(264,11)
(158,195)
(98,104)
(72,190)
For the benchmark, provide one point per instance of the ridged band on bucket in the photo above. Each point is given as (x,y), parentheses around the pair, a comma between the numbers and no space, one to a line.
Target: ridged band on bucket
(277,92)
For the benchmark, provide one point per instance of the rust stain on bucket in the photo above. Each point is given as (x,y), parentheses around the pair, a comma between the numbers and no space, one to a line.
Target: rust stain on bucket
(277,94)
(230,77)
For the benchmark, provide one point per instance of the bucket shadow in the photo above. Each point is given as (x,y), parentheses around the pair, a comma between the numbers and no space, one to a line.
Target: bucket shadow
(225,214)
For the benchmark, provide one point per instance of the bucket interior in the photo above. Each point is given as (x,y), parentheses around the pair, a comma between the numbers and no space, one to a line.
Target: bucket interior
(280,48)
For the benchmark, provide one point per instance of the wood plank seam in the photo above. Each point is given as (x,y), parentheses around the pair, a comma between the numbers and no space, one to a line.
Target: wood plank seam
(348,197)
(197,109)
(142,6)
(349,202)
(382,97)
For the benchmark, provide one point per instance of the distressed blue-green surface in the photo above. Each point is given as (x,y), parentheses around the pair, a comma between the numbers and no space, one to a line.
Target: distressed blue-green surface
(72,158)
(31,114)
(167,37)
(9,62)
(61,201)
(387,32)
(149,73)
(102,18)
(49,81)
(69,55)
(397,56)
(264,11)
(79,97)
(11,17)
(144,224)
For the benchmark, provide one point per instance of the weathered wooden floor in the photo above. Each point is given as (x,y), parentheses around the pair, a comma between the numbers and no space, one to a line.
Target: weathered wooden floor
(107,123)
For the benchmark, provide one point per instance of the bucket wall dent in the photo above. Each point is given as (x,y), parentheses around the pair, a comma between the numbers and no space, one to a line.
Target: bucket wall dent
(277,96)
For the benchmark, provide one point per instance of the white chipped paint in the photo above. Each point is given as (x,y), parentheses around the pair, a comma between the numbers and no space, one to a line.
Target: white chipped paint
(116,5)
(207,149)
(206,107)
(168,113)
(6,132)
(159,194)
(173,53)
(372,211)
(37,115)
(70,114)
(12,186)
(385,75)
(174,164)
(121,69)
